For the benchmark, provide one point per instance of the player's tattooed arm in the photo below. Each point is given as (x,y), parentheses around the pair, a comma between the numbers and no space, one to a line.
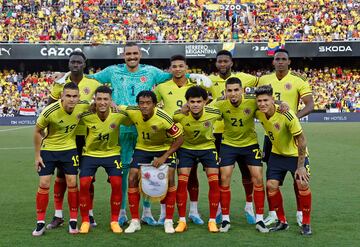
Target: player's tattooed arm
(301,172)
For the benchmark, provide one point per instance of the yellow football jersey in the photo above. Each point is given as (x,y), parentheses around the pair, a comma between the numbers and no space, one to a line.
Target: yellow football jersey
(87,89)
(239,122)
(217,90)
(102,138)
(198,134)
(289,89)
(281,129)
(155,133)
(172,96)
(60,126)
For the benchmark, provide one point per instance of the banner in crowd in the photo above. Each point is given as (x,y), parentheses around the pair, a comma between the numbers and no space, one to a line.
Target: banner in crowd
(7,120)
(27,112)
(190,50)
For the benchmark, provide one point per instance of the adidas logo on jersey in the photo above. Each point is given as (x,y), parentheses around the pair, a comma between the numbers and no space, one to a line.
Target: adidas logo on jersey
(94,127)
(216,84)
(228,111)
(170,93)
(187,124)
(61,121)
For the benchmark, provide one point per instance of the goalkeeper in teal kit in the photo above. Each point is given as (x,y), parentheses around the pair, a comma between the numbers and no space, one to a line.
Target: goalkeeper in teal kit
(127,80)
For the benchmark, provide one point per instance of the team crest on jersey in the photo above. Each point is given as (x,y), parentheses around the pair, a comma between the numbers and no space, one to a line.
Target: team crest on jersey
(86,90)
(247,111)
(143,79)
(154,128)
(207,124)
(277,126)
(288,86)
(161,175)
(112,126)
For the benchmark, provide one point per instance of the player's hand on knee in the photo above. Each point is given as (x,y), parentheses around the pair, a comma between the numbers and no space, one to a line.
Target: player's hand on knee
(302,174)
(39,164)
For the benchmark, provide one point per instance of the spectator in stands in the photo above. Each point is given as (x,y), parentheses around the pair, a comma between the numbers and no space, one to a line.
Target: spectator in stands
(116,21)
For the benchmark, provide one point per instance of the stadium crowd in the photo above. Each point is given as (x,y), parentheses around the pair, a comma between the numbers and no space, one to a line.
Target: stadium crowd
(107,21)
(333,87)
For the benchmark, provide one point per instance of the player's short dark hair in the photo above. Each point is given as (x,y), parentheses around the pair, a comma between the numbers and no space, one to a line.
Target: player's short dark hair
(196,91)
(147,94)
(233,80)
(177,58)
(224,53)
(71,85)
(103,89)
(266,89)
(281,50)
(78,53)
(131,44)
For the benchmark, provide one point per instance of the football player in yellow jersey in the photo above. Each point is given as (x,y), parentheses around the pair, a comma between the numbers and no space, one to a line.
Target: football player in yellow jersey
(198,145)
(172,95)
(239,144)
(87,87)
(58,149)
(155,127)
(102,149)
(288,153)
(288,87)
(224,64)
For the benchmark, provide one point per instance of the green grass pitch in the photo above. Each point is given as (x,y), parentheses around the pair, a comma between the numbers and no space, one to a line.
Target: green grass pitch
(335,168)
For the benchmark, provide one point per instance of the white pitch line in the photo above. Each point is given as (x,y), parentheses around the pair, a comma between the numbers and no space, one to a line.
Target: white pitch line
(17,148)
(24,127)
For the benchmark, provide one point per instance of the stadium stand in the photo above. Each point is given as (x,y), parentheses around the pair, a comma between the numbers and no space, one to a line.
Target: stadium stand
(334,88)
(114,21)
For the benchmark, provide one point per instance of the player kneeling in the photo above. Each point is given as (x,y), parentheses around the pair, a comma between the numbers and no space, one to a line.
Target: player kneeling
(198,146)
(58,149)
(102,149)
(288,153)
(158,138)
